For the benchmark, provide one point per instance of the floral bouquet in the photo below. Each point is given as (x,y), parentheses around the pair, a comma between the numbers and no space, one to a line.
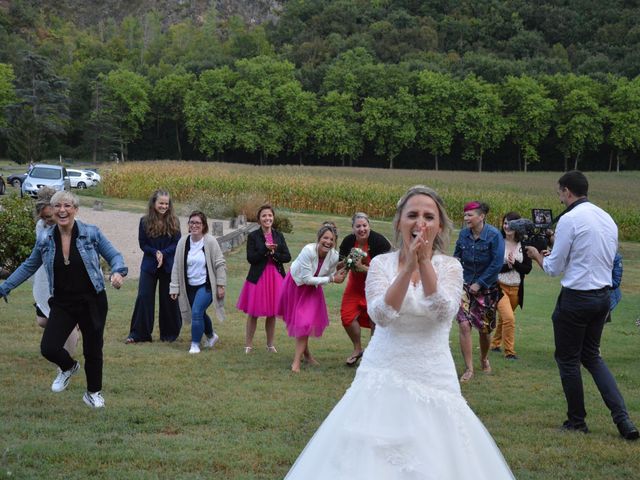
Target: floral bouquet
(351,261)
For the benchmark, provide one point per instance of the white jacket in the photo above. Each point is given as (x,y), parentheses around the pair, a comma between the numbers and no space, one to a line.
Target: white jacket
(304,267)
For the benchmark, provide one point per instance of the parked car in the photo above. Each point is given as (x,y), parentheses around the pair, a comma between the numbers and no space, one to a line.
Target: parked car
(79,179)
(42,175)
(3,186)
(16,179)
(94,175)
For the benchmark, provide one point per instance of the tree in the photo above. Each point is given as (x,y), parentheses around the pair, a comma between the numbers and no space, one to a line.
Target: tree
(337,128)
(40,112)
(169,96)
(258,126)
(101,133)
(529,111)
(479,119)
(209,111)
(390,123)
(580,124)
(624,118)
(128,93)
(436,97)
(7,90)
(297,109)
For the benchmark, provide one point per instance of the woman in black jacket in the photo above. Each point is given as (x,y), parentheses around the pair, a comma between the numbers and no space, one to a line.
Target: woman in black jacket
(511,281)
(267,251)
(353,310)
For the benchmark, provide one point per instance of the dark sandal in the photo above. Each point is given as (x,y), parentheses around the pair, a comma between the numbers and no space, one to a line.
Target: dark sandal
(353,359)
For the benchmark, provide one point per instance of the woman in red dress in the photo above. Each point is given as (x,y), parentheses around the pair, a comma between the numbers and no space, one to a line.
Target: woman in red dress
(353,310)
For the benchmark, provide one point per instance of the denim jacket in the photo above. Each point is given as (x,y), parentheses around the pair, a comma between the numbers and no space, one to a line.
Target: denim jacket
(91,244)
(482,258)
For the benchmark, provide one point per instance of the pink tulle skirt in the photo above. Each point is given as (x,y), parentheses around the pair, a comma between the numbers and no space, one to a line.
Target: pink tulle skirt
(303,309)
(261,299)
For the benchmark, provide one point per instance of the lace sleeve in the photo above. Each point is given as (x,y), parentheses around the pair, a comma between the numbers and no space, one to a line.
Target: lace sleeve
(444,303)
(378,280)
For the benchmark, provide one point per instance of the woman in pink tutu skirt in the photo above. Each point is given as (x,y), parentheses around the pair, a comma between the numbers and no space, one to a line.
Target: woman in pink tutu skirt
(267,251)
(302,305)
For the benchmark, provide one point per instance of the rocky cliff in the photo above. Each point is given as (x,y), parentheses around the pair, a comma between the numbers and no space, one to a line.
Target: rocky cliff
(89,12)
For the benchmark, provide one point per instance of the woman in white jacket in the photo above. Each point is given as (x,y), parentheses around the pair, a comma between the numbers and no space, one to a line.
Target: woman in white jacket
(199,272)
(302,305)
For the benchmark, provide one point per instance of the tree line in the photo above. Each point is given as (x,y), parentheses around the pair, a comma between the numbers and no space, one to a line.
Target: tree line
(226,90)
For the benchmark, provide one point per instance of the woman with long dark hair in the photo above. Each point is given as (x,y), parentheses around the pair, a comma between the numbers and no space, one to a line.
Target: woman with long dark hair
(158,235)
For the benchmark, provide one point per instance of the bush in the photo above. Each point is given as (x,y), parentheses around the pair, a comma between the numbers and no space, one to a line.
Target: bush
(282,223)
(17,231)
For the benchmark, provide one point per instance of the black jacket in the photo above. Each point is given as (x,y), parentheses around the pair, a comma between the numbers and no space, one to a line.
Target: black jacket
(258,253)
(377,244)
(523,269)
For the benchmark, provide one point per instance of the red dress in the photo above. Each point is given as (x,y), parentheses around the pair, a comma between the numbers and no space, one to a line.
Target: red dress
(354,302)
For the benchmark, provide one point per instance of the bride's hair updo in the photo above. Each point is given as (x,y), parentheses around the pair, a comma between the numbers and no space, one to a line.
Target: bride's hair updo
(441,241)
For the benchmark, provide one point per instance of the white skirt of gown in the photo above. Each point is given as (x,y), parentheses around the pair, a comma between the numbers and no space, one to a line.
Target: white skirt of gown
(393,431)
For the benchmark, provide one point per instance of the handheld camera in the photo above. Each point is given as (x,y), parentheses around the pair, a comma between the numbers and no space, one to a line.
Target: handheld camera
(534,232)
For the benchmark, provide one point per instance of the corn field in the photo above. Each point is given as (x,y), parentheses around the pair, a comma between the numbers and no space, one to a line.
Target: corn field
(343,191)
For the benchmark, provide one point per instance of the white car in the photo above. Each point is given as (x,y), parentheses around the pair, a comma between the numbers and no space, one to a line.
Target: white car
(94,175)
(79,179)
(42,175)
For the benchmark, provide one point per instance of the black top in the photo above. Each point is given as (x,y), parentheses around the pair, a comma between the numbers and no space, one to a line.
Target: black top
(69,278)
(258,254)
(377,244)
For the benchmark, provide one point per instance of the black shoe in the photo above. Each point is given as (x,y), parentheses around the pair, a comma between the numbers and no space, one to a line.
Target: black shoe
(511,357)
(567,426)
(496,349)
(628,430)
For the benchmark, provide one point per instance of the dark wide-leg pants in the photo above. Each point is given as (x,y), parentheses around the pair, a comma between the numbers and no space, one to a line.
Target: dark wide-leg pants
(143,316)
(91,318)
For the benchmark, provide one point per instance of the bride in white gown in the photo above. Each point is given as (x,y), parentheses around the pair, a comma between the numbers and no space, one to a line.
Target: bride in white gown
(404,416)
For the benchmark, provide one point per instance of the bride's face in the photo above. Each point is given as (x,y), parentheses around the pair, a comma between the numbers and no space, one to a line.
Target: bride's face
(420,215)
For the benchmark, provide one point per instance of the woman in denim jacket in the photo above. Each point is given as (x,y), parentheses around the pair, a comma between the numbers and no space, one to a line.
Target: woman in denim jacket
(480,249)
(70,252)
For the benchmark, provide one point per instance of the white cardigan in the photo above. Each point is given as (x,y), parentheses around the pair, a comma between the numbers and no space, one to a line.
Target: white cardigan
(304,267)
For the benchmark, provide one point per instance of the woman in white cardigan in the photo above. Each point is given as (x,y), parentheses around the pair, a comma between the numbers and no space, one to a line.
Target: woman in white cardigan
(198,265)
(302,305)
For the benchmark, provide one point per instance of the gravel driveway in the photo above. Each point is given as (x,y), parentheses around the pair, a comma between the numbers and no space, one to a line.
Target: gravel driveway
(121,228)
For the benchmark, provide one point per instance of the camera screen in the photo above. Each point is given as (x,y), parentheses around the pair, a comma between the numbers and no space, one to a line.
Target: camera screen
(542,217)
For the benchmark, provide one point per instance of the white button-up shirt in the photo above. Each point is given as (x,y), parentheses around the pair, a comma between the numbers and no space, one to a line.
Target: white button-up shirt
(586,240)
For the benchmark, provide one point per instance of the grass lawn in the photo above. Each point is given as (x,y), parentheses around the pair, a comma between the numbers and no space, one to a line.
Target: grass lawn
(223,414)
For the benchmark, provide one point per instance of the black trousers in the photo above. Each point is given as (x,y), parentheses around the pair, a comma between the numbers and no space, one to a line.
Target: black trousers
(89,312)
(169,319)
(578,320)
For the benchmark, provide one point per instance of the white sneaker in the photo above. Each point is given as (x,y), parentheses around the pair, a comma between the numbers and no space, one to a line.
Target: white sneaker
(94,400)
(62,380)
(211,341)
(195,348)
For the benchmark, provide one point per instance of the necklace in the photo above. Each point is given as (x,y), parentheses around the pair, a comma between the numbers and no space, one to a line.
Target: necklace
(66,260)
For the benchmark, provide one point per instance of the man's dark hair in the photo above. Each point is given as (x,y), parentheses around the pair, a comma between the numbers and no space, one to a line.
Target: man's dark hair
(576,182)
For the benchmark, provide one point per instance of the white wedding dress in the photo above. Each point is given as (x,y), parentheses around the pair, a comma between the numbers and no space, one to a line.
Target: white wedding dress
(404,416)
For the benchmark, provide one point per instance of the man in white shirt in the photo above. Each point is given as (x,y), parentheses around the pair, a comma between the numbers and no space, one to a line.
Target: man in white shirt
(586,241)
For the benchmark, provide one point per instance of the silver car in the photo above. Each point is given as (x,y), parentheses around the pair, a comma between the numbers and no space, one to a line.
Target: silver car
(42,175)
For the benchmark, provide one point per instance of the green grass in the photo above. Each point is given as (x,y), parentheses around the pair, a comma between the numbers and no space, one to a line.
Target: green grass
(226,415)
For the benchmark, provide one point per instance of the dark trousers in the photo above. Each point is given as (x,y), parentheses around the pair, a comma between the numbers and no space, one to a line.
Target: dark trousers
(578,320)
(143,316)
(65,315)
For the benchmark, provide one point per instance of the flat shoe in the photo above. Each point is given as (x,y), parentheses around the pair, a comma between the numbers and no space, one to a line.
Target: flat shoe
(486,366)
(353,359)
(466,376)
(129,341)
(247,350)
